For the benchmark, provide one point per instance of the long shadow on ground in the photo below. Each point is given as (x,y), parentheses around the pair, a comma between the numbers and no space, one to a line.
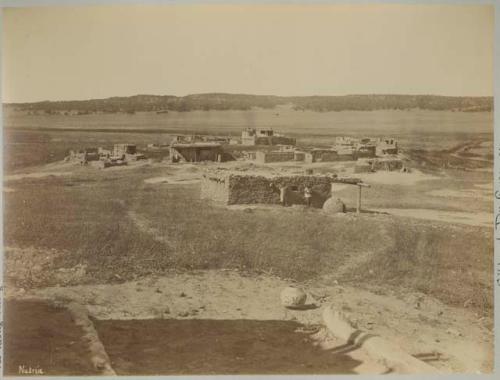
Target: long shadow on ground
(166,347)
(40,337)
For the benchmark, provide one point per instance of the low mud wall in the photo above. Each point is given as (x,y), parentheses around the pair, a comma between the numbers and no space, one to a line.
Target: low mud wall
(329,156)
(387,164)
(250,189)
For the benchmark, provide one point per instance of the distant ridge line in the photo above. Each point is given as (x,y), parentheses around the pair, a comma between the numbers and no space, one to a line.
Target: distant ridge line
(227,101)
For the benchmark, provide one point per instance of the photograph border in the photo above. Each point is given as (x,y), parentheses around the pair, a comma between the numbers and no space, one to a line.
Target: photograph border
(496,168)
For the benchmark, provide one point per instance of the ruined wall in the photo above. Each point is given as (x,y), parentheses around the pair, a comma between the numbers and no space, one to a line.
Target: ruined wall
(265,157)
(386,149)
(196,154)
(366,151)
(347,157)
(387,164)
(122,149)
(299,156)
(325,156)
(329,156)
(248,140)
(252,189)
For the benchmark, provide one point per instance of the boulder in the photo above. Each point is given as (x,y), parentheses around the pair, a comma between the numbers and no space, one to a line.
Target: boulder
(293,297)
(334,206)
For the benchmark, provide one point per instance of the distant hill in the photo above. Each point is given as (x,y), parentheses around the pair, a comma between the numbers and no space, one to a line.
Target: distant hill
(221,101)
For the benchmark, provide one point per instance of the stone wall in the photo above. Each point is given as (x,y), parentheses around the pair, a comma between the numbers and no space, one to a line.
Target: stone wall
(325,156)
(328,155)
(387,164)
(253,189)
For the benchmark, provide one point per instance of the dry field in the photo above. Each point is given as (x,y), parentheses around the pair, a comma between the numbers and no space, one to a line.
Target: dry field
(422,250)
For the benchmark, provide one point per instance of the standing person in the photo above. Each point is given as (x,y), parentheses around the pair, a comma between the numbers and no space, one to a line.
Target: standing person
(283,190)
(283,195)
(308,195)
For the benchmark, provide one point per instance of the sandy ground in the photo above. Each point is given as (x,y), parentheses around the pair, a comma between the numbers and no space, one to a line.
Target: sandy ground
(173,180)
(480,191)
(476,194)
(420,324)
(484,219)
(53,169)
(17,177)
(396,177)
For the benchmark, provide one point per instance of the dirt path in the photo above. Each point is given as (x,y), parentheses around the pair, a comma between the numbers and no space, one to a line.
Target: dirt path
(483,219)
(420,324)
(145,226)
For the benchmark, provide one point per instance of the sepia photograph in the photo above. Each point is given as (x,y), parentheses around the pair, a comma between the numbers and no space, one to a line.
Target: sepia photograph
(249,188)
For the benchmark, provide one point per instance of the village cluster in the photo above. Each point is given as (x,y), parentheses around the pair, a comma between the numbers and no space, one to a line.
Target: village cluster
(100,157)
(261,147)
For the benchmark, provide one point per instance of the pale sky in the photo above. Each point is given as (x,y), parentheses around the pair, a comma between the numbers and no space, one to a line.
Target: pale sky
(62,53)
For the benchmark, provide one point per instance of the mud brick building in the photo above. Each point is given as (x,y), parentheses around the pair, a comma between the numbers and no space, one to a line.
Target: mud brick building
(330,155)
(242,188)
(274,156)
(251,136)
(120,150)
(197,152)
(84,156)
(387,146)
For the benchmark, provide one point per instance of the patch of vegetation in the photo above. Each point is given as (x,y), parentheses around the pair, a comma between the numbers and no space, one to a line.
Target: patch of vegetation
(27,148)
(452,263)
(93,224)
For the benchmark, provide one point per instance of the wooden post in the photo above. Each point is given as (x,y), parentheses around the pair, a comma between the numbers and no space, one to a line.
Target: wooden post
(358,206)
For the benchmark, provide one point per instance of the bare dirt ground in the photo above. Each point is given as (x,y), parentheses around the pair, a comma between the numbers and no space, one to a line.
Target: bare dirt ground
(483,194)
(420,324)
(16,177)
(396,177)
